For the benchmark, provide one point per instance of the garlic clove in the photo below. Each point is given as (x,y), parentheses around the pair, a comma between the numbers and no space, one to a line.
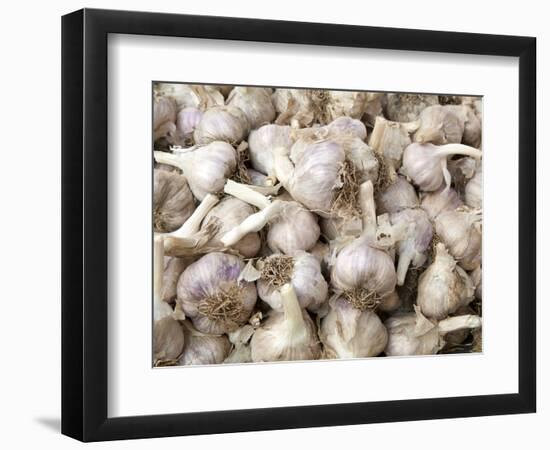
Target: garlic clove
(290,335)
(255,103)
(173,202)
(443,287)
(213,296)
(347,332)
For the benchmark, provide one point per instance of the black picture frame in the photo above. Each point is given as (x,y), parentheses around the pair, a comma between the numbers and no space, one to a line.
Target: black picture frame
(84,224)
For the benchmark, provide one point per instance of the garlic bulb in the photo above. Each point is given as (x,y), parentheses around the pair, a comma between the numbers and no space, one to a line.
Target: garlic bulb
(173,268)
(460,231)
(448,124)
(206,168)
(462,170)
(347,126)
(413,334)
(211,295)
(187,95)
(202,348)
(443,287)
(241,345)
(362,270)
(262,143)
(168,338)
(473,192)
(255,103)
(344,103)
(298,107)
(390,302)
(396,196)
(186,122)
(413,246)
(173,201)
(407,107)
(286,336)
(389,139)
(229,213)
(426,164)
(301,270)
(347,332)
(442,200)
(221,123)
(164,117)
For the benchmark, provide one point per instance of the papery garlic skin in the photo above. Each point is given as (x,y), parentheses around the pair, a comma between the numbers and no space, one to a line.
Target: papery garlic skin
(407,107)
(186,122)
(443,287)
(461,231)
(221,123)
(255,103)
(187,95)
(229,213)
(164,117)
(347,332)
(396,196)
(473,192)
(293,230)
(334,228)
(173,268)
(413,246)
(290,335)
(344,103)
(309,284)
(347,126)
(298,107)
(407,337)
(439,125)
(173,201)
(213,281)
(201,349)
(206,168)
(262,144)
(443,200)
(426,164)
(168,340)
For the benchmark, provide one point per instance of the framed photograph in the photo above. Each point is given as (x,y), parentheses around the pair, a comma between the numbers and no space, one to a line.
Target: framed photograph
(273,225)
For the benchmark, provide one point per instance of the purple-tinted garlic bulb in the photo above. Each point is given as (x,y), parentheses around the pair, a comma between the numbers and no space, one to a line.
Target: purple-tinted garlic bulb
(211,294)
(186,122)
(412,248)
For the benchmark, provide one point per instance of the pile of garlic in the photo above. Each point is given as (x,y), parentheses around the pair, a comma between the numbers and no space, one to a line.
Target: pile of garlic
(304,224)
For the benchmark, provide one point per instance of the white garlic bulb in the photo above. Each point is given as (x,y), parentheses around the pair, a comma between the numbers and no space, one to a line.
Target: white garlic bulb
(407,107)
(413,245)
(255,103)
(344,103)
(298,107)
(164,117)
(186,122)
(347,126)
(442,200)
(461,231)
(229,213)
(262,143)
(443,287)
(362,268)
(473,192)
(448,124)
(202,348)
(301,270)
(426,164)
(221,123)
(205,168)
(347,332)
(413,334)
(396,196)
(212,296)
(286,336)
(173,202)
(389,139)
(188,95)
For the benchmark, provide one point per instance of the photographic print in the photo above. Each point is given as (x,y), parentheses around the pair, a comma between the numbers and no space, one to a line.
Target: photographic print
(310,224)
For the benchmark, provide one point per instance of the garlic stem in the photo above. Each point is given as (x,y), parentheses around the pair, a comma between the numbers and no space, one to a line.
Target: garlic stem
(405,259)
(192,225)
(368,209)
(282,165)
(246,194)
(459,323)
(292,311)
(172,159)
(459,149)
(252,223)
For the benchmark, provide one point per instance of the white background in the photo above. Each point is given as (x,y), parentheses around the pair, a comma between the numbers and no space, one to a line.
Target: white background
(30,330)
(135,389)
